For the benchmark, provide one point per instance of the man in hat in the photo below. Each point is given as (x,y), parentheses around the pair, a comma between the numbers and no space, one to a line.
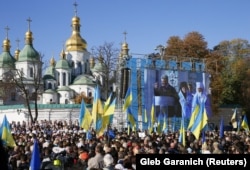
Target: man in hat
(201,98)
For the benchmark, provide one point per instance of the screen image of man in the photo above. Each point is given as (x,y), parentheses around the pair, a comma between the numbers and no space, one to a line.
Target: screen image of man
(166,98)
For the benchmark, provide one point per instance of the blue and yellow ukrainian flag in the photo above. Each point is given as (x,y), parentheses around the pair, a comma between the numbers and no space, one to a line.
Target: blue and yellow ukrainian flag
(193,117)
(200,122)
(97,108)
(6,135)
(35,158)
(85,118)
(106,117)
(182,135)
(244,123)
(128,99)
(131,118)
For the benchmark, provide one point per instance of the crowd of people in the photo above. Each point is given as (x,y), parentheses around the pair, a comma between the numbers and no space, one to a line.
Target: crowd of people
(67,145)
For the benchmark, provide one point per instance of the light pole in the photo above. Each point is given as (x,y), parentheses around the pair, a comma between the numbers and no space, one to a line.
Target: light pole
(25,114)
(161,50)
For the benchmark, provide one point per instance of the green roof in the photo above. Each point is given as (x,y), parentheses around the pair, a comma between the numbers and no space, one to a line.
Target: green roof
(28,53)
(83,80)
(63,64)
(7,60)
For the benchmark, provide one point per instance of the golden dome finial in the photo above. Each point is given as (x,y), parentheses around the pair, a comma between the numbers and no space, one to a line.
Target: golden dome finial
(52,61)
(6,42)
(17,51)
(28,35)
(125,48)
(76,42)
(63,54)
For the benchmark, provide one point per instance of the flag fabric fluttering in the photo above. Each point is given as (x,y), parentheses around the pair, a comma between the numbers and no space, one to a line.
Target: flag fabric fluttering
(6,135)
(107,103)
(182,136)
(200,122)
(128,99)
(222,128)
(35,157)
(109,111)
(85,118)
(152,113)
(131,118)
(97,108)
(193,117)
(234,119)
(244,123)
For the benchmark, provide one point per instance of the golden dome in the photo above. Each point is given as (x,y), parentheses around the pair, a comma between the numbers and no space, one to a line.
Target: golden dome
(6,45)
(17,54)
(52,61)
(28,37)
(76,42)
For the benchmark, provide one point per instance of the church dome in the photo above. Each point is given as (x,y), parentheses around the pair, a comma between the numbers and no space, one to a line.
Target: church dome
(76,42)
(28,53)
(6,59)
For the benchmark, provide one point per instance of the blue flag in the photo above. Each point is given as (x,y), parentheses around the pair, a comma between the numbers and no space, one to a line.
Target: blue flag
(35,158)
(111,134)
(221,128)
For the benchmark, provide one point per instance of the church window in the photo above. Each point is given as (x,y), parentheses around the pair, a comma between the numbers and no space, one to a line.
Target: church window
(49,86)
(64,79)
(79,68)
(31,72)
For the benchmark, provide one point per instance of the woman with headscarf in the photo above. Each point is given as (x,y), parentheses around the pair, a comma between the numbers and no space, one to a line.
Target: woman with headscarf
(185,99)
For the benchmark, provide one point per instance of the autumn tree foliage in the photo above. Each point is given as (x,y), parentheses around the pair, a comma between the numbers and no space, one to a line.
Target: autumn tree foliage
(83,96)
(193,45)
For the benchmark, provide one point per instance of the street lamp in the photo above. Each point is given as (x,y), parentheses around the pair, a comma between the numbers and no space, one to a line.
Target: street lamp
(161,50)
(25,114)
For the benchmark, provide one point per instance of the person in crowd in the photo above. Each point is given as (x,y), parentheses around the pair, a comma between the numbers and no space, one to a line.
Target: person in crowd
(97,160)
(3,157)
(108,162)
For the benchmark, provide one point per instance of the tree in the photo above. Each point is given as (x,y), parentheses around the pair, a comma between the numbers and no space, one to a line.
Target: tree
(29,88)
(109,54)
(234,76)
(174,47)
(194,45)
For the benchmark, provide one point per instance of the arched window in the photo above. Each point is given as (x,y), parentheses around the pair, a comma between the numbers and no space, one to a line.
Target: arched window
(73,67)
(64,79)
(79,68)
(49,85)
(31,72)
